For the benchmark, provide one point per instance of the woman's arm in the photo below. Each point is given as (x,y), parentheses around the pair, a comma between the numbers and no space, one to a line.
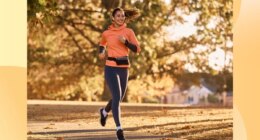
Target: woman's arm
(101,54)
(131,46)
(102,47)
(132,43)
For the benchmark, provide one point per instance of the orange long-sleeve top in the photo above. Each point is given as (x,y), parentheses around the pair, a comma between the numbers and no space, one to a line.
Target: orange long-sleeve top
(115,48)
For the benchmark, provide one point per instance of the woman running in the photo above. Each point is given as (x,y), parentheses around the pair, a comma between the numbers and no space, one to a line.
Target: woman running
(117,40)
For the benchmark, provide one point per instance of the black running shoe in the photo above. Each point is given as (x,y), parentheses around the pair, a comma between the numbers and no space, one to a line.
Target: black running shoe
(103,119)
(120,134)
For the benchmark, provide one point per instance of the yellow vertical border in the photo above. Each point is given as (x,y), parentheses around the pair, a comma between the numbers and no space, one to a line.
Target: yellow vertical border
(247,68)
(13,103)
(13,70)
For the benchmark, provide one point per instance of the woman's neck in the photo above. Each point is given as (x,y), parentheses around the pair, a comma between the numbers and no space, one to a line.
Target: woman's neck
(116,25)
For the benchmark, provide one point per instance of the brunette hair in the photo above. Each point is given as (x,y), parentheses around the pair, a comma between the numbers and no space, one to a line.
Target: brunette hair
(130,14)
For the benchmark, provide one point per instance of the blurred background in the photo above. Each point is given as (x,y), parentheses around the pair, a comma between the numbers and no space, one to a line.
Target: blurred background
(186,55)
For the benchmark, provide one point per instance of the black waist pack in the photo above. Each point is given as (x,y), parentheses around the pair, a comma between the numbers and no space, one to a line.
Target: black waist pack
(120,60)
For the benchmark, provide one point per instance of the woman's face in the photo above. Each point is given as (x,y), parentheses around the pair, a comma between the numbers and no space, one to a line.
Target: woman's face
(119,18)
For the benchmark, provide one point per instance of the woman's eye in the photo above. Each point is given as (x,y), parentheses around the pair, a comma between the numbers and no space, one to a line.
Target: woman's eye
(120,16)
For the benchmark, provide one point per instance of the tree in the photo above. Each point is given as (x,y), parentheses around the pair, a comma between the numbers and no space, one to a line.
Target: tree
(63,37)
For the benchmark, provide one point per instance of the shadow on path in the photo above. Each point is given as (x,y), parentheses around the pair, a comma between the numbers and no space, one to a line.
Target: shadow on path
(71,131)
(92,134)
(109,137)
(176,123)
(130,133)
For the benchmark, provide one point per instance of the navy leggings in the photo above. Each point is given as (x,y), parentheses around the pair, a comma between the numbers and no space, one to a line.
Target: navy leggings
(116,79)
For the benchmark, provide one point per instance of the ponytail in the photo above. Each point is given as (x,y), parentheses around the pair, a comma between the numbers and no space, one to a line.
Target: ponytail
(130,14)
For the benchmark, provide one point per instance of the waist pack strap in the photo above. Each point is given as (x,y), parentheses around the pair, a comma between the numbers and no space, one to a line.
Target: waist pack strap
(111,58)
(120,60)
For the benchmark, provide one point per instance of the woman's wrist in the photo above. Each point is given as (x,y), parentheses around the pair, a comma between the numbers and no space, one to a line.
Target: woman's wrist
(131,46)
(102,49)
(126,42)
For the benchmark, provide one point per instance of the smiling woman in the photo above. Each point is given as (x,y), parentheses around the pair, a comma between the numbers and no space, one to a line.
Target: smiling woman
(118,17)
(117,40)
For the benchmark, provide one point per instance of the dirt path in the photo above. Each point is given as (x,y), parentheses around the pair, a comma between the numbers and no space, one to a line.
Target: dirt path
(49,120)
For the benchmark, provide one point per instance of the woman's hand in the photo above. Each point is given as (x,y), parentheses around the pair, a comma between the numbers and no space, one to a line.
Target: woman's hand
(122,39)
(102,56)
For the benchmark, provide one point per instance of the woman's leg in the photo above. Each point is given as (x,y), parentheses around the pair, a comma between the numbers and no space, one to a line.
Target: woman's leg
(123,74)
(113,82)
(108,106)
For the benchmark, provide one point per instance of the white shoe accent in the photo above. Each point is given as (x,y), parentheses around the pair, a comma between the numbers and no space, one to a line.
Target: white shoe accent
(104,112)
(118,127)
